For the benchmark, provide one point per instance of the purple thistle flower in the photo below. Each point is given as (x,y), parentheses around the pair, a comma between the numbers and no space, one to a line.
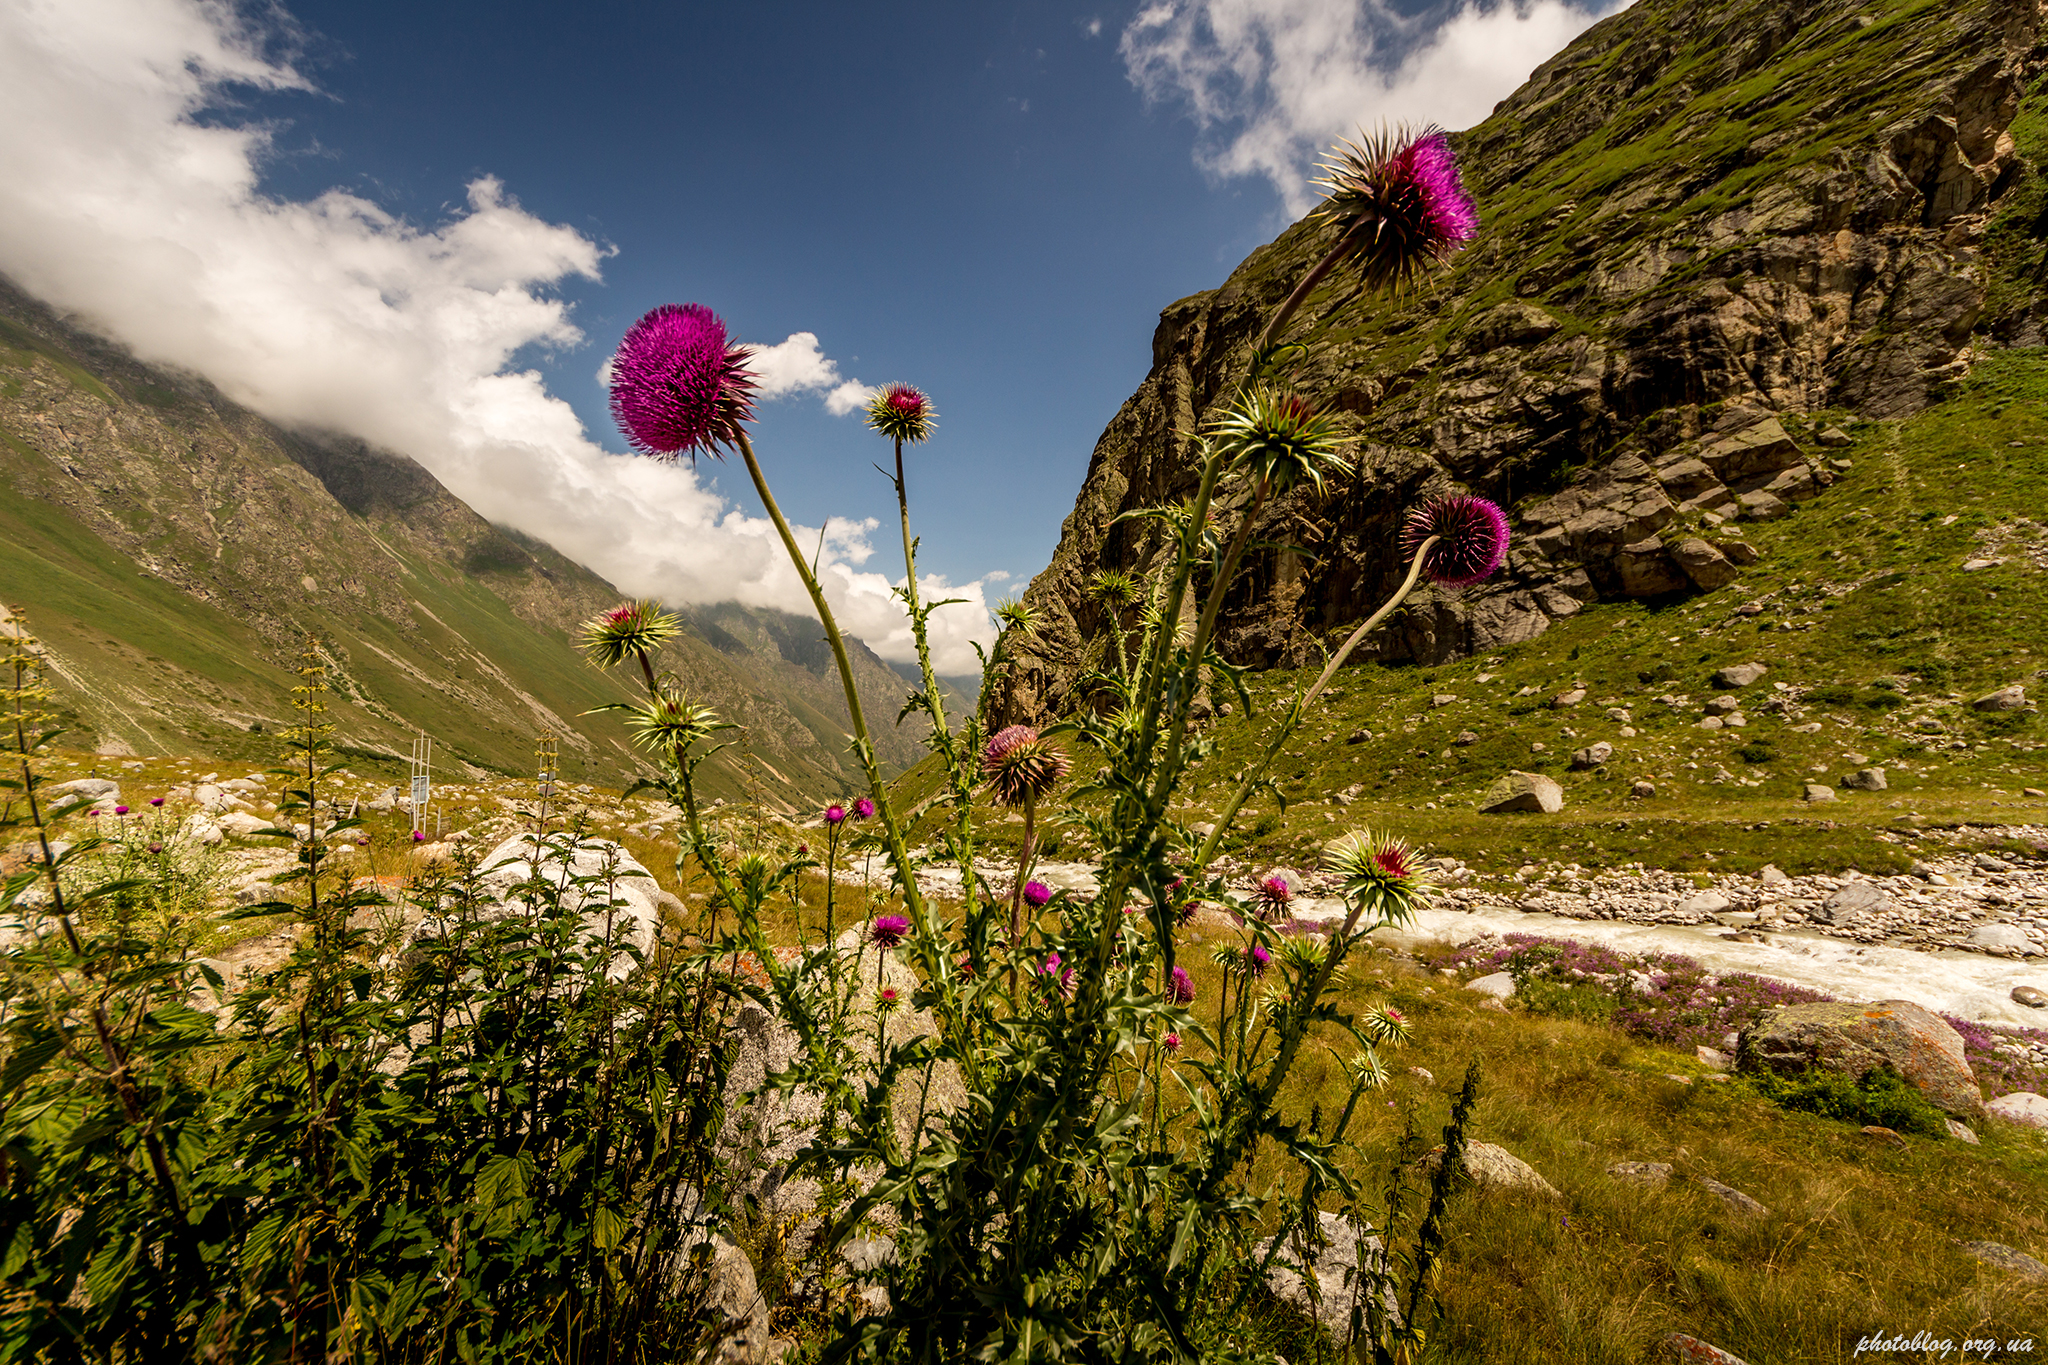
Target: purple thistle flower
(886,931)
(1064,980)
(1399,205)
(1020,766)
(1172,1043)
(1037,894)
(156,848)
(1256,960)
(1472,539)
(835,814)
(678,386)
(902,413)
(419,836)
(120,810)
(156,800)
(1271,898)
(1180,987)
(863,809)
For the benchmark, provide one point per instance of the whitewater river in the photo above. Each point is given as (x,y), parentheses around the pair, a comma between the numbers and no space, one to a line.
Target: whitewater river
(1965,984)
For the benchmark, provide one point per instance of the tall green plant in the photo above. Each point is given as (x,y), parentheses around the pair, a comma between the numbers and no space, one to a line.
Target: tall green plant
(1054,1213)
(490,1139)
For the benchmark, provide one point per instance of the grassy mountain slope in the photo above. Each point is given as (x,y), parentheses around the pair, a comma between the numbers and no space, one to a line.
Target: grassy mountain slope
(175,550)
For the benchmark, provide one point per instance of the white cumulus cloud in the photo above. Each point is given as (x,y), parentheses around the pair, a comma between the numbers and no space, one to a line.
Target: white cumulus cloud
(1270,84)
(129,196)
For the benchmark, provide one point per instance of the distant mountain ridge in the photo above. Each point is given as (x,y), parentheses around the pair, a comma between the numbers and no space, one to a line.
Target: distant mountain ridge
(175,549)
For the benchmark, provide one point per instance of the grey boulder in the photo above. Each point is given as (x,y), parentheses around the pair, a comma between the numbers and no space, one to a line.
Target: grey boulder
(1739,675)
(1520,791)
(2004,699)
(1853,902)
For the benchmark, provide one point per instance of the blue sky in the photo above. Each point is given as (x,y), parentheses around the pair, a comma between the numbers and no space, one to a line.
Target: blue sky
(429,224)
(968,197)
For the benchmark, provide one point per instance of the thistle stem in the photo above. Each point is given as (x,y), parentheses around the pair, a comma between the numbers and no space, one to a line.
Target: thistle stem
(1299,710)
(938,965)
(1302,291)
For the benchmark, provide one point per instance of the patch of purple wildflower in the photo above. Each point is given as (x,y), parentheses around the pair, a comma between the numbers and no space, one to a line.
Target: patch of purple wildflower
(2001,1073)
(1660,997)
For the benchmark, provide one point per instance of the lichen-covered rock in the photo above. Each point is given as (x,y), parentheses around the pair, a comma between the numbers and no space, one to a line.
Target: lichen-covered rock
(1854,1039)
(1523,791)
(1492,1167)
(1344,1267)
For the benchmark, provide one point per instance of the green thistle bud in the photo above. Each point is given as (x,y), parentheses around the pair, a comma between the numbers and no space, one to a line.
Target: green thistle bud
(1279,438)
(671,721)
(1113,588)
(1381,877)
(626,630)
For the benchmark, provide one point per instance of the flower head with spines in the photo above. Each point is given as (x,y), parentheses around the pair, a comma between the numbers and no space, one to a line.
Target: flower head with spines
(1381,877)
(1278,438)
(1398,204)
(1471,539)
(902,413)
(627,630)
(1021,766)
(678,386)
(670,721)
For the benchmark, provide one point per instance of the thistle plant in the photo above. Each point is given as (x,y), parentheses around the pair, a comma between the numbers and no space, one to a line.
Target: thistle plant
(1090,1196)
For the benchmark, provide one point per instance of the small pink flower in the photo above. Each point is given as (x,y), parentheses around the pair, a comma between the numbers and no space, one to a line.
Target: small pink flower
(120,810)
(1037,895)
(835,814)
(156,800)
(1172,1043)
(863,809)
(419,836)
(1256,960)
(887,999)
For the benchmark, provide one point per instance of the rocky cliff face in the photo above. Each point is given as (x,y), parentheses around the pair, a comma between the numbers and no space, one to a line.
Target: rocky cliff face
(174,550)
(1707,235)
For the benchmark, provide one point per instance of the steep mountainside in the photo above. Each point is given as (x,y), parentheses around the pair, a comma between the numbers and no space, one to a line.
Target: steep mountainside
(1696,224)
(174,550)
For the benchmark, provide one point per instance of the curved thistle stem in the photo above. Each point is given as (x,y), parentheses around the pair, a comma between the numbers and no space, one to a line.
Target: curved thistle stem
(938,965)
(1302,291)
(1299,710)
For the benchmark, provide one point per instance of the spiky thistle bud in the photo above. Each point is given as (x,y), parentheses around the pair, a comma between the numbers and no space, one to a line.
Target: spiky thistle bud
(1381,877)
(1472,539)
(1397,203)
(1279,438)
(630,628)
(1113,588)
(679,386)
(671,721)
(1020,766)
(902,413)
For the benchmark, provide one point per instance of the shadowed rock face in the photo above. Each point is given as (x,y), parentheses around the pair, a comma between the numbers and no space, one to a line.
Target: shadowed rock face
(1698,224)
(1853,1039)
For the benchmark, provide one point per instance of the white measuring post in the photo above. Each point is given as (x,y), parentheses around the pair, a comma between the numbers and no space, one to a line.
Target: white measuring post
(422,788)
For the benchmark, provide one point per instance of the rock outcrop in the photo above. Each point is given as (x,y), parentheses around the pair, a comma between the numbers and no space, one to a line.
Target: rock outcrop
(1853,1040)
(1698,226)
